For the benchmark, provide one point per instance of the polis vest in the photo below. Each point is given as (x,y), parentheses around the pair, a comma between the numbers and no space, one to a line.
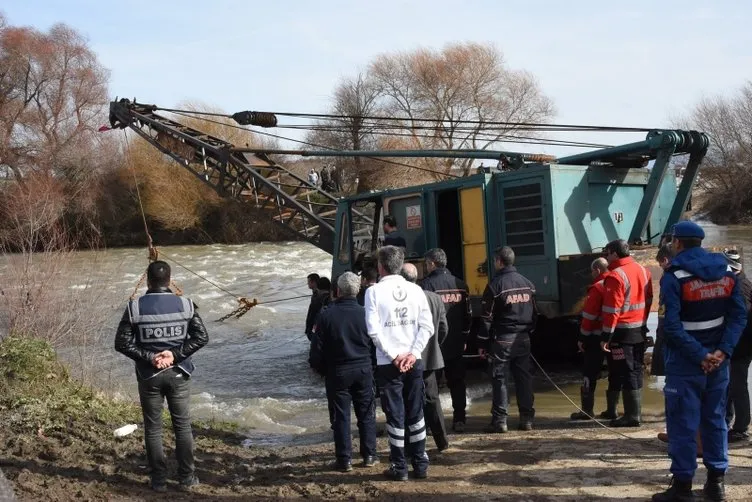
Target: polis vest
(160,322)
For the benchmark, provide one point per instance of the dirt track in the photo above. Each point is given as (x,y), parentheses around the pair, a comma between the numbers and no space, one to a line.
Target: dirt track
(558,461)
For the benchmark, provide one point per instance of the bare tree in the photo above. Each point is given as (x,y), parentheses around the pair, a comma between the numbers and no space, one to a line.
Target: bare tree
(53,95)
(448,97)
(726,174)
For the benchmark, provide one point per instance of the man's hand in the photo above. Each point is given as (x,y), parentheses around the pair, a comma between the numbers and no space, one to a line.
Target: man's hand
(712,362)
(720,356)
(482,353)
(580,347)
(398,361)
(163,360)
(649,341)
(407,363)
(605,347)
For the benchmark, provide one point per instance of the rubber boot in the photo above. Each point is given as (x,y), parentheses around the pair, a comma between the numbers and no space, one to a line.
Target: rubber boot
(714,488)
(678,491)
(588,400)
(612,402)
(632,409)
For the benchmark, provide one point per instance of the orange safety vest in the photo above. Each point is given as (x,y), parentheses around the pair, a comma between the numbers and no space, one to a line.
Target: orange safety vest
(591,312)
(628,294)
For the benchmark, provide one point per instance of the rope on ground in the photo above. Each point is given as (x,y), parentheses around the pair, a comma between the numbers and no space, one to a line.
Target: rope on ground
(610,429)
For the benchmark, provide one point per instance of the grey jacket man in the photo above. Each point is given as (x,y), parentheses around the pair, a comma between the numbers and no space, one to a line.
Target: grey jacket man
(432,358)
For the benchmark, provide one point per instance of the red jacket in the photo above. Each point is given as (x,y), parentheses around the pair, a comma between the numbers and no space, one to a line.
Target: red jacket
(627,297)
(591,312)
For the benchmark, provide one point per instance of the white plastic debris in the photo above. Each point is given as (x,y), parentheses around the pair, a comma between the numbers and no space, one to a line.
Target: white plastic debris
(125,430)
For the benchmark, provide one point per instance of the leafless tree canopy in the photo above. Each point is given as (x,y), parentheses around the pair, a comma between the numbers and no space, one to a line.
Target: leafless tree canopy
(53,92)
(430,94)
(726,174)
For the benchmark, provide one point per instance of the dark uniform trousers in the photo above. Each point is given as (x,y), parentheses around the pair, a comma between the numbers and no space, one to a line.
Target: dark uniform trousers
(173,385)
(737,408)
(625,363)
(433,412)
(402,398)
(343,386)
(692,403)
(511,352)
(593,363)
(454,373)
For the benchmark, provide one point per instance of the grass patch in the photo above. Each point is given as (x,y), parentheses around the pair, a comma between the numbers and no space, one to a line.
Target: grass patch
(37,393)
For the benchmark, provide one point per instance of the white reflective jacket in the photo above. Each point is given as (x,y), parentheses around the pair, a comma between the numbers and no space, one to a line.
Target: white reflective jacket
(398,318)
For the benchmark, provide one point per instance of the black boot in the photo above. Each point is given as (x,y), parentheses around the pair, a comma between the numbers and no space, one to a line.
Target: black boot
(612,401)
(587,397)
(632,409)
(678,491)
(714,488)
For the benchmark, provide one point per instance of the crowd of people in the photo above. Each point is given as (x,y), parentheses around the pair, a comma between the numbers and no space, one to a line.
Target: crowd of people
(381,334)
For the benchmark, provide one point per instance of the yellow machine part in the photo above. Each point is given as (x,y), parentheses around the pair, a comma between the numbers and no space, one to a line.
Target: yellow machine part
(473,238)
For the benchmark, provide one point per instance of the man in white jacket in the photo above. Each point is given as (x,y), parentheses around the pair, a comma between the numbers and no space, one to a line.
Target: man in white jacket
(400,323)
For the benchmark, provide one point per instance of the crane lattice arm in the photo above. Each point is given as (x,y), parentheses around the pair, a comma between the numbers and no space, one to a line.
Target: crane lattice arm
(293,202)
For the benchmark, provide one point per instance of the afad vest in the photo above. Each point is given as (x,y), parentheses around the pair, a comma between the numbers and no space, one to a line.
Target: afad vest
(635,283)
(161,323)
(703,305)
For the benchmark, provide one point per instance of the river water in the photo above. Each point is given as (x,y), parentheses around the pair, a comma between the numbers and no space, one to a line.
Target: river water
(254,370)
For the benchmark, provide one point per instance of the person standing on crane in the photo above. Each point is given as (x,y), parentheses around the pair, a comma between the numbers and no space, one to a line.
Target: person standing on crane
(627,297)
(704,317)
(400,324)
(160,331)
(455,296)
(589,343)
(392,234)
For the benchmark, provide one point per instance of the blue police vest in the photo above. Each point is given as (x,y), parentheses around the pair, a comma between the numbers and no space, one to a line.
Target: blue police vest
(161,323)
(703,305)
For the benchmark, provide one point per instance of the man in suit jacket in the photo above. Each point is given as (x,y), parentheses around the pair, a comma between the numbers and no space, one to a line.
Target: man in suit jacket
(432,361)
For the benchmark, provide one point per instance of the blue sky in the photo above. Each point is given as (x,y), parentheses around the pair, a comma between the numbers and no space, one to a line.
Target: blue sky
(636,63)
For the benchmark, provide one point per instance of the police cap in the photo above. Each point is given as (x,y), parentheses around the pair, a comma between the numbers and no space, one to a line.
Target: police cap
(688,230)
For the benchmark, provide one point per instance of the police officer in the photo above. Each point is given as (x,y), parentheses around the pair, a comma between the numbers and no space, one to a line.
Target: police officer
(589,342)
(342,351)
(509,315)
(400,324)
(627,297)
(432,362)
(704,318)
(160,331)
(454,294)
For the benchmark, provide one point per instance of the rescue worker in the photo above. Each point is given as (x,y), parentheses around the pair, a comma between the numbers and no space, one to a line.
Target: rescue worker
(589,341)
(320,298)
(657,367)
(160,331)
(312,281)
(704,318)
(392,234)
(737,409)
(368,278)
(509,315)
(400,324)
(432,362)
(627,297)
(454,293)
(342,351)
